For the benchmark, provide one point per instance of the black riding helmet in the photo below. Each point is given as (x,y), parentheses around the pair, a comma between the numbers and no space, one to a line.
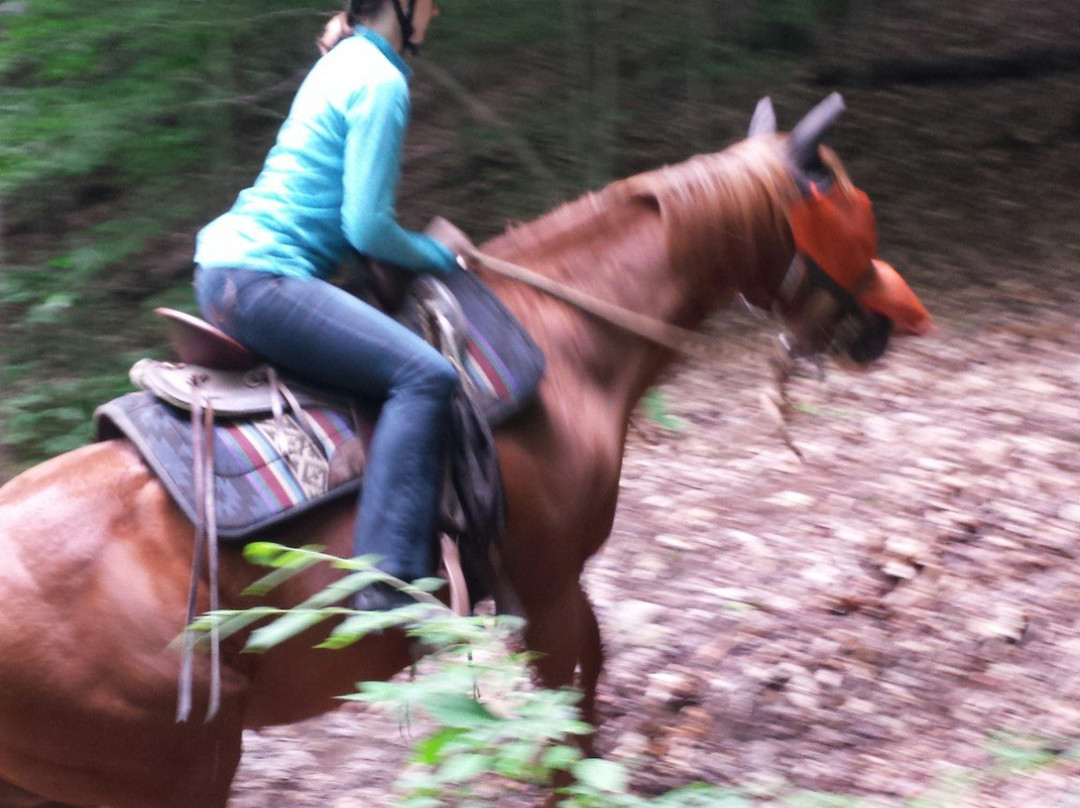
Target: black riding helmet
(359,8)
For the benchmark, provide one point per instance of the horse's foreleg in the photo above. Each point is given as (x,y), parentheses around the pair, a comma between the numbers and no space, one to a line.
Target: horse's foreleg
(566,637)
(590,660)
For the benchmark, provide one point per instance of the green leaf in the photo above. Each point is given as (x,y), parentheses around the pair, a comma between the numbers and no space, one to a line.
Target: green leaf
(421,801)
(819,799)
(428,585)
(464,767)
(430,750)
(560,757)
(1020,753)
(602,775)
(656,410)
(284,628)
(231,622)
(360,624)
(288,565)
(460,710)
(702,795)
(271,554)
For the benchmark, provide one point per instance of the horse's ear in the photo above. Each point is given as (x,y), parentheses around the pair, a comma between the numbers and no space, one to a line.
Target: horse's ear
(764,120)
(806,136)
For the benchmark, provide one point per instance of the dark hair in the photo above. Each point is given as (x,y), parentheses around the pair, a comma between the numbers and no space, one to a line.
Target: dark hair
(356,10)
(342,25)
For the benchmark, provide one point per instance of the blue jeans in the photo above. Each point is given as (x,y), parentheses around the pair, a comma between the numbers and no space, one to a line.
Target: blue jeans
(315,331)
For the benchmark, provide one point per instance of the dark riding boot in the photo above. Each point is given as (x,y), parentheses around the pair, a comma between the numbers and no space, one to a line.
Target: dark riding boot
(399,503)
(380,597)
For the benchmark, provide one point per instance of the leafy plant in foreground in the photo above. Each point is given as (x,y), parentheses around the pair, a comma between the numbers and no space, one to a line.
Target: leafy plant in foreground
(488,721)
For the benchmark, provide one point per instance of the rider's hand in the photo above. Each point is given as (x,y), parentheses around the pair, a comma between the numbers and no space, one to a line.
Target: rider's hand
(452,238)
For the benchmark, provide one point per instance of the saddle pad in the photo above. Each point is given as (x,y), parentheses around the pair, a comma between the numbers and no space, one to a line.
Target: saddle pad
(256,484)
(503,361)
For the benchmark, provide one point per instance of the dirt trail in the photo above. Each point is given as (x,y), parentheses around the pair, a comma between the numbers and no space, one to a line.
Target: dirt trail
(862,622)
(874,620)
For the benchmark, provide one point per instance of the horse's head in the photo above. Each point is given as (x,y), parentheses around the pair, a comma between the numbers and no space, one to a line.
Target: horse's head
(836,296)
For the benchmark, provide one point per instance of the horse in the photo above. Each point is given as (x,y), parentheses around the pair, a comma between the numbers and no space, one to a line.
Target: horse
(96,556)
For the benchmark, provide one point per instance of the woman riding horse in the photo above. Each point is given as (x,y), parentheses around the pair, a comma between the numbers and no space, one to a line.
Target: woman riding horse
(96,555)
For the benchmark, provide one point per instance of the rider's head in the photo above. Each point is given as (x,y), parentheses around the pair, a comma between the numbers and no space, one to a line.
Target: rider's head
(402,22)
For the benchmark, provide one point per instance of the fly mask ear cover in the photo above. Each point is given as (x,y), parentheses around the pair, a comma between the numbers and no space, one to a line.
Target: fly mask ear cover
(834,226)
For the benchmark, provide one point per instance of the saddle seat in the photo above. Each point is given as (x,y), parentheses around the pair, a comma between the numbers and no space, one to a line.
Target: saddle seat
(217,371)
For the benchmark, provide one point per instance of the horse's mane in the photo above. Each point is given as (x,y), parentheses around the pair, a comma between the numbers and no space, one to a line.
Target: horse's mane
(714,208)
(672,243)
(722,208)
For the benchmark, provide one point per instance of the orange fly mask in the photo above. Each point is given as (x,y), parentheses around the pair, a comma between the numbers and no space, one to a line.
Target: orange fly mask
(835,235)
(837,231)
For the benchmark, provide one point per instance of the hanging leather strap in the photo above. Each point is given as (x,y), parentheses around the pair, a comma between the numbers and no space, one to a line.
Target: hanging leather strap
(202,431)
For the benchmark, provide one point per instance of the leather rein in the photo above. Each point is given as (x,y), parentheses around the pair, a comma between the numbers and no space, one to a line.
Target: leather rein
(681,340)
(774,399)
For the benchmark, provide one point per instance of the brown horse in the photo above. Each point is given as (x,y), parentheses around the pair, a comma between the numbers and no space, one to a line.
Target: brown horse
(95,556)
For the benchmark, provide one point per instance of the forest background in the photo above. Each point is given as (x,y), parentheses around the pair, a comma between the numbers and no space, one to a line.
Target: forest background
(125,127)
(895,613)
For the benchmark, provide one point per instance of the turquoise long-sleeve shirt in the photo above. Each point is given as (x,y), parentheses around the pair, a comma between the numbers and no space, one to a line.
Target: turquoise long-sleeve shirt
(330,181)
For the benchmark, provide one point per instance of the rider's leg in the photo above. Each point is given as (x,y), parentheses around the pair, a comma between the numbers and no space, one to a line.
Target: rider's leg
(317,331)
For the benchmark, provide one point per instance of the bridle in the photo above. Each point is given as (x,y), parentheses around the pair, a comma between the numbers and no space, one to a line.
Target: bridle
(852,330)
(682,340)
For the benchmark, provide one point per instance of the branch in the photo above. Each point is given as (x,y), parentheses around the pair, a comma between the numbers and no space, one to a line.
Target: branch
(486,115)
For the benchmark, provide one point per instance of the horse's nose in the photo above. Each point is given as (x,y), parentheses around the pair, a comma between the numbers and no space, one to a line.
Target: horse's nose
(872,340)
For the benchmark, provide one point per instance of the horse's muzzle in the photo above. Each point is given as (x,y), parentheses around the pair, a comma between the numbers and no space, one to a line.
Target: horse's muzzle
(862,336)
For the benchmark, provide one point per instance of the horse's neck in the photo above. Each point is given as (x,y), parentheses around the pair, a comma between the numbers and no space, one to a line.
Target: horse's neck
(618,254)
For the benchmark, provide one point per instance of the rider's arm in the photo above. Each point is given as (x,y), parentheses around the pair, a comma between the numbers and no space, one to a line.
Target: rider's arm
(377,119)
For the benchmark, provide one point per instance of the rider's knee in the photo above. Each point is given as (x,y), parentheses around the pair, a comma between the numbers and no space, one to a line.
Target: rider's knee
(432,374)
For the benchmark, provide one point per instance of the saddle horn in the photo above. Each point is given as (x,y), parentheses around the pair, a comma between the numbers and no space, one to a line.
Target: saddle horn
(803,141)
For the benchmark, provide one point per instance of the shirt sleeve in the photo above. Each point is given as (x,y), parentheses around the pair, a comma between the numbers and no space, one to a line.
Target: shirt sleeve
(377,120)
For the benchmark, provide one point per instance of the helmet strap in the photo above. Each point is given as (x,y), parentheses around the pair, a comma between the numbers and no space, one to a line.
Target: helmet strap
(405,20)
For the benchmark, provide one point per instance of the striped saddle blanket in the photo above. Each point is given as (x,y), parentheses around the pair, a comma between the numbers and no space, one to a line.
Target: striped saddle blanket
(265,469)
(268,468)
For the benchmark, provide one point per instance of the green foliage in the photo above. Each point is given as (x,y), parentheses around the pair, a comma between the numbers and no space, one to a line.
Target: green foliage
(54,416)
(124,89)
(656,409)
(484,727)
(488,722)
(506,25)
(64,357)
(1019,753)
(785,25)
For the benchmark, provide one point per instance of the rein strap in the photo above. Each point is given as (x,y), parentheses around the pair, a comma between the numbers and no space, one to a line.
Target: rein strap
(681,340)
